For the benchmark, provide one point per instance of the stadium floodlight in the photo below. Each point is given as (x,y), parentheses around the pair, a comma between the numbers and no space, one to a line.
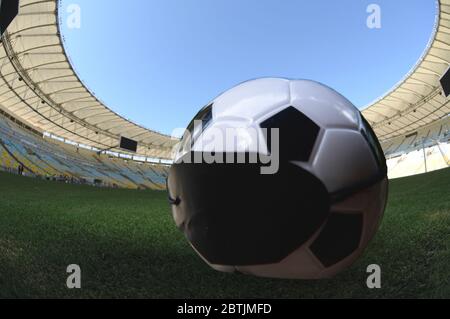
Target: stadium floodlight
(445,83)
(311,218)
(8,11)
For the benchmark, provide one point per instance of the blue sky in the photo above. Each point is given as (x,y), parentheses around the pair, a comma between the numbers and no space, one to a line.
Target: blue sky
(157,62)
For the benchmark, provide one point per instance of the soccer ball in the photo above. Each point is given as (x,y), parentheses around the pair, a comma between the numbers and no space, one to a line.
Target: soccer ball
(279,178)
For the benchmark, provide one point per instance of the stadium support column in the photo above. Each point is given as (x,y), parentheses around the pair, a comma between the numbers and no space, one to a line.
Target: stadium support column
(446,160)
(424,155)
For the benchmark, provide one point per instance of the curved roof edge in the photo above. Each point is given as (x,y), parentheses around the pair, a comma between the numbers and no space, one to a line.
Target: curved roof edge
(416,101)
(85,85)
(416,65)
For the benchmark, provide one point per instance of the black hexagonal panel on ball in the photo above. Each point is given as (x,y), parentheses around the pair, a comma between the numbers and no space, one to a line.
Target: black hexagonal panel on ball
(298,134)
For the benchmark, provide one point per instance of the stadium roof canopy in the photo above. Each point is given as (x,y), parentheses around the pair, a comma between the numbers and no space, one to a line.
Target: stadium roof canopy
(39,86)
(417,100)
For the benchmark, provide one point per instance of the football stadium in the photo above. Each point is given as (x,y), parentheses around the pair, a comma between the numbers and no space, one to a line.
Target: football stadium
(81,184)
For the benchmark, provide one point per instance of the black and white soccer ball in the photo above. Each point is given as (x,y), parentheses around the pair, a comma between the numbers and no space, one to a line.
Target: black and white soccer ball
(310,216)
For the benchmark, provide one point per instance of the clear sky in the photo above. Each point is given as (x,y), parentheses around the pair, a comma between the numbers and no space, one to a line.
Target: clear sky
(157,62)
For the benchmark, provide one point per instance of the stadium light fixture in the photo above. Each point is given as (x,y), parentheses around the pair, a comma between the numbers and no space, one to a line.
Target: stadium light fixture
(8,11)
(445,83)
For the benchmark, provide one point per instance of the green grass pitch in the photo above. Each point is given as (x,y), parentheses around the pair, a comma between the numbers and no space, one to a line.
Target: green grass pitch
(127,246)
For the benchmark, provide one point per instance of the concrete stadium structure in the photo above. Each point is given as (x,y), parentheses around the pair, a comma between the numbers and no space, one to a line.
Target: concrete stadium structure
(41,95)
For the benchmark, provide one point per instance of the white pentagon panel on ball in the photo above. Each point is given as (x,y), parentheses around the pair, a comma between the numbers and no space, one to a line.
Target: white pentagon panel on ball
(323,105)
(253,99)
(343,160)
